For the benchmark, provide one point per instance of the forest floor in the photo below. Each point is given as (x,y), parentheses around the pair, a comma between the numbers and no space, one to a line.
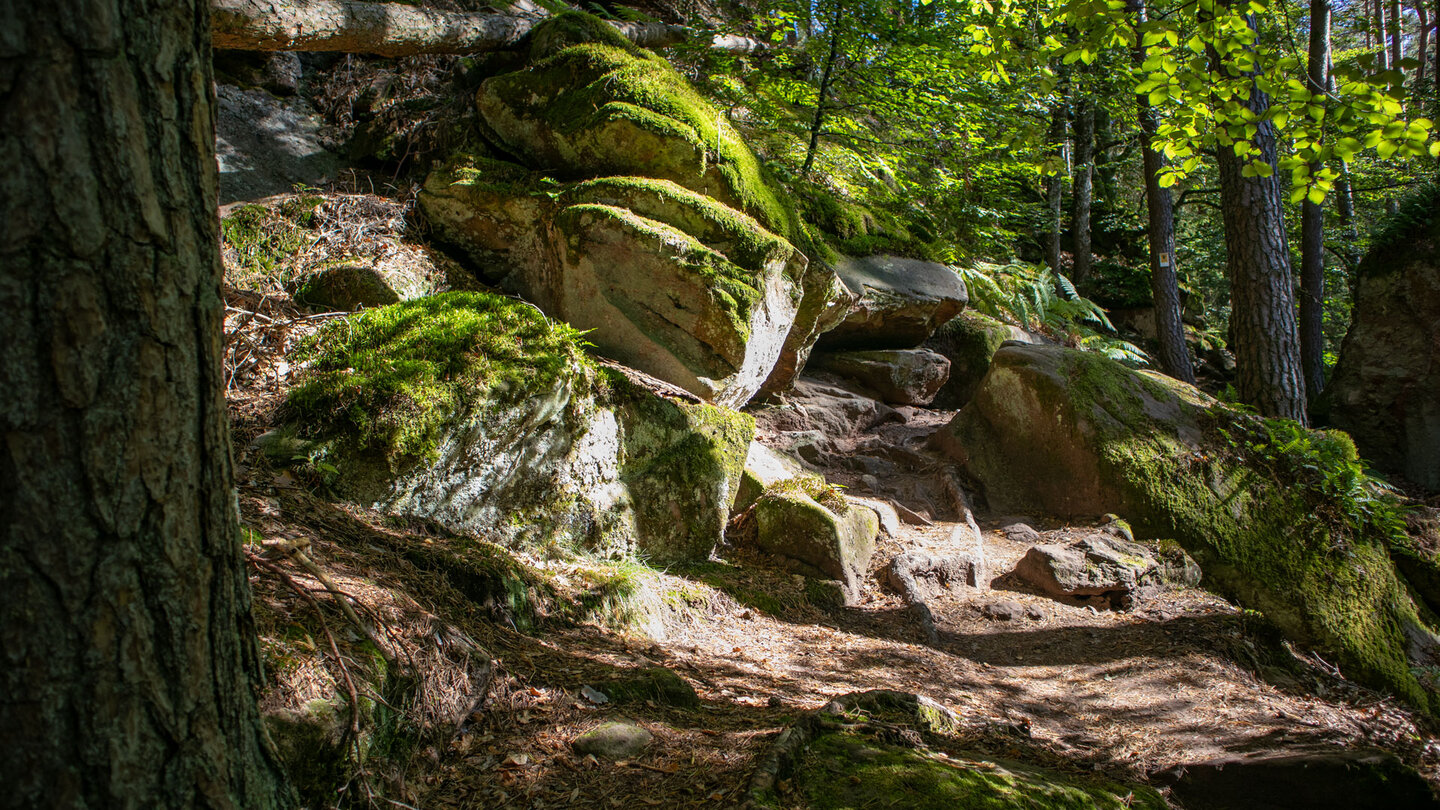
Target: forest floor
(1182,677)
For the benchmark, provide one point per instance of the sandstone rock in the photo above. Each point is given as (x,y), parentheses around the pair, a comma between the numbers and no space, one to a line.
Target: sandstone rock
(834,539)
(901,302)
(532,445)
(1069,433)
(968,341)
(764,468)
(899,376)
(1385,391)
(1020,533)
(265,145)
(830,411)
(1095,569)
(614,740)
(349,287)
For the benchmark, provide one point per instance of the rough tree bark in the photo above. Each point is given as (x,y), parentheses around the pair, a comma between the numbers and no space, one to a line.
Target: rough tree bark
(128,659)
(393,29)
(1262,305)
(1055,183)
(1397,50)
(1312,222)
(1164,283)
(1084,187)
(1422,47)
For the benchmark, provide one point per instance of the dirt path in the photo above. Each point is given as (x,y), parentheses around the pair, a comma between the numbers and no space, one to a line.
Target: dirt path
(1176,680)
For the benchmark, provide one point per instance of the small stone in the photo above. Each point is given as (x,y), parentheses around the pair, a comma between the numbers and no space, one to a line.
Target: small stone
(1002,611)
(1020,533)
(1034,613)
(594,695)
(616,740)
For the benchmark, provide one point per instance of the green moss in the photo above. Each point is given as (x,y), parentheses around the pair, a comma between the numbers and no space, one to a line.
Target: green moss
(387,380)
(264,239)
(678,453)
(736,235)
(847,770)
(1264,517)
(814,487)
(736,291)
(488,174)
(583,79)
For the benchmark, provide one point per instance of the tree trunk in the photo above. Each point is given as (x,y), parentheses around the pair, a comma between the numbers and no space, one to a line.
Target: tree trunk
(1422,47)
(1262,305)
(1164,283)
(1084,186)
(1312,222)
(1055,183)
(1383,59)
(130,664)
(818,122)
(1397,51)
(393,29)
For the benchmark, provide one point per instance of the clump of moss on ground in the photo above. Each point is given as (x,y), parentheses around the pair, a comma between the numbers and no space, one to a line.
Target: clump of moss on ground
(262,238)
(388,379)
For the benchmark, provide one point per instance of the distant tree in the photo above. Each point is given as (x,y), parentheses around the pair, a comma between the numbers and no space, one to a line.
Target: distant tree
(1312,218)
(130,663)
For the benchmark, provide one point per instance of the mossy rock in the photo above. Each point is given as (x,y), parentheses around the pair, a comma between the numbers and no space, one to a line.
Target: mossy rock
(592,104)
(817,531)
(656,684)
(474,410)
(1070,433)
(893,749)
(968,342)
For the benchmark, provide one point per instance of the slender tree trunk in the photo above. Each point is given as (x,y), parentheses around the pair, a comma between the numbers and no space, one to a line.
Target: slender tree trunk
(1312,223)
(1262,309)
(1422,48)
(1383,57)
(128,659)
(1397,50)
(1164,283)
(1084,185)
(1055,183)
(826,76)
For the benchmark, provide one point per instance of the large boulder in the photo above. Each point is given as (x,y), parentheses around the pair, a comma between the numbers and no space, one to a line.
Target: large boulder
(968,341)
(677,254)
(475,411)
(1069,433)
(901,302)
(899,376)
(1385,391)
(818,532)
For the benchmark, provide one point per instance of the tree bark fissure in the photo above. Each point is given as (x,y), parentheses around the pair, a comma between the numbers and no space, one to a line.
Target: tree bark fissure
(130,662)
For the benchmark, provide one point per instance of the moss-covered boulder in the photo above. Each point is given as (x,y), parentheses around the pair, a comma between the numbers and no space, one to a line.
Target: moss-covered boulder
(351,286)
(899,376)
(636,213)
(764,468)
(817,531)
(900,302)
(1277,517)
(968,341)
(476,411)
(1385,390)
(893,749)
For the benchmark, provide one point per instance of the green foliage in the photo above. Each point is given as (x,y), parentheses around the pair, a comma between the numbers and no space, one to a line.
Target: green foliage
(1347,501)
(1037,299)
(388,378)
(831,496)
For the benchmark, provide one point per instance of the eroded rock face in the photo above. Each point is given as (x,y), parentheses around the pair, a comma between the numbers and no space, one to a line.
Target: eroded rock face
(901,302)
(1101,570)
(899,376)
(1385,391)
(835,541)
(1068,433)
(676,254)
